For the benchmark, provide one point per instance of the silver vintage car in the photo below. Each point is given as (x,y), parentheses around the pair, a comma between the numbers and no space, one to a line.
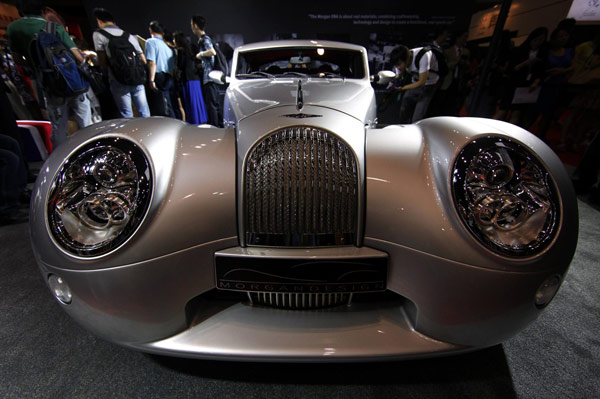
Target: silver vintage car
(303,231)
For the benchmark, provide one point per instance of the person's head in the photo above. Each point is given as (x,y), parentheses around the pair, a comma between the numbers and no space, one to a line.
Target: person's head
(440,35)
(181,42)
(30,7)
(560,37)
(568,24)
(179,39)
(400,57)
(536,38)
(49,14)
(156,28)
(198,22)
(103,17)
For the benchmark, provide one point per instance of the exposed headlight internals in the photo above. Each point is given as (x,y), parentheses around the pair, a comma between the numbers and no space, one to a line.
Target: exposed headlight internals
(99,196)
(505,197)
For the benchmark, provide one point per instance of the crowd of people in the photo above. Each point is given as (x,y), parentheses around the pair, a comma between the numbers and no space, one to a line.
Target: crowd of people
(548,79)
(172,75)
(166,74)
(433,79)
(547,76)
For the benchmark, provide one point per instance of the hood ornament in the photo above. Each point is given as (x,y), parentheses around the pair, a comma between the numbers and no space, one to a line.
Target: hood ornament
(299,97)
(300,105)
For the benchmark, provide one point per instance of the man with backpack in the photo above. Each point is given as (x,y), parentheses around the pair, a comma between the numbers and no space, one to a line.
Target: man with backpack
(51,56)
(421,64)
(208,55)
(122,54)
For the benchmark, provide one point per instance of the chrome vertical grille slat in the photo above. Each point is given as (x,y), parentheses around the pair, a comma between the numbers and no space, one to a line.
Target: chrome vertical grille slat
(298,300)
(300,189)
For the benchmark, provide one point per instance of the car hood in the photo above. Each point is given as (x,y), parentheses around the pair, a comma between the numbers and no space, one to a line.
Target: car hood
(353,97)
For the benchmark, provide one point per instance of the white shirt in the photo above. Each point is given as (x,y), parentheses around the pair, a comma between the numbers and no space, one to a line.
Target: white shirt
(426,63)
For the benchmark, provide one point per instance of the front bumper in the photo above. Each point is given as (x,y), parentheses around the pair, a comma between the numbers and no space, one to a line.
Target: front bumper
(357,332)
(441,307)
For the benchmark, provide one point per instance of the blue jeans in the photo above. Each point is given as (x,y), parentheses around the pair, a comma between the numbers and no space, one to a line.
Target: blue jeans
(123,94)
(58,110)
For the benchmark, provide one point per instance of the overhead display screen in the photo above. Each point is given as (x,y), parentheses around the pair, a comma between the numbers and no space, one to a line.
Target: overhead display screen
(585,10)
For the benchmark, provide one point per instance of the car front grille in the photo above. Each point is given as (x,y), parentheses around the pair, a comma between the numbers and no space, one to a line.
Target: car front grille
(300,189)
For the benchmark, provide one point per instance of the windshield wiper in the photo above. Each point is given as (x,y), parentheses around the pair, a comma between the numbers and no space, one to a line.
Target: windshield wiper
(293,73)
(255,74)
(329,75)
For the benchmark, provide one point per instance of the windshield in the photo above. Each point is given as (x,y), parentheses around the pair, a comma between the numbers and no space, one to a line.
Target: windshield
(298,61)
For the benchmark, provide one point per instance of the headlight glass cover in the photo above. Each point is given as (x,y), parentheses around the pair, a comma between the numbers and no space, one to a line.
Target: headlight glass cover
(99,196)
(505,197)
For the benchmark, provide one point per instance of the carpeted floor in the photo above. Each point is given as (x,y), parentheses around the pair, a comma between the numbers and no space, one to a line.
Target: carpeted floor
(44,354)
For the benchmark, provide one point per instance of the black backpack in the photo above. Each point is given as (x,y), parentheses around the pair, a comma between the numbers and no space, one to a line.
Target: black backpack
(124,62)
(55,65)
(221,61)
(442,70)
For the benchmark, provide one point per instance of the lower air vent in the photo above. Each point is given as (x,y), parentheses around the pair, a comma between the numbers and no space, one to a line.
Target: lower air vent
(297,300)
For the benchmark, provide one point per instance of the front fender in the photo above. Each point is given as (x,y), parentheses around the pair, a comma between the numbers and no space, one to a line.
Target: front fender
(410,202)
(193,198)
(462,292)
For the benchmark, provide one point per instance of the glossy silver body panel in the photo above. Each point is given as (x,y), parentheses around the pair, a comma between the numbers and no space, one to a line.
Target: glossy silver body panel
(452,293)
(352,97)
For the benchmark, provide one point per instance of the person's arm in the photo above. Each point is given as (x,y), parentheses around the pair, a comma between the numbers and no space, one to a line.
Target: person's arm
(424,65)
(206,53)
(64,36)
(152,73)
(419,83)
(520,59)
(151,62)
(78,55)
(525,63)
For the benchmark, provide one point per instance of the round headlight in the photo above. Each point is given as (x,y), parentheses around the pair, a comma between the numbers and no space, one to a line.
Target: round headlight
(99,196)
(505,196)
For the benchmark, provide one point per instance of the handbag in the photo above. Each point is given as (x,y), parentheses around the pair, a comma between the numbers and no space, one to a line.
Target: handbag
(157,102)
(94,76)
